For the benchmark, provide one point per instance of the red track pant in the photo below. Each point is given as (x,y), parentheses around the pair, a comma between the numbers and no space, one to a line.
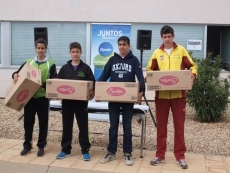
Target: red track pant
(162,112)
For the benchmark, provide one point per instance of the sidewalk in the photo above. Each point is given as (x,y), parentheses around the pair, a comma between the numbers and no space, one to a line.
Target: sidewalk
(12,162)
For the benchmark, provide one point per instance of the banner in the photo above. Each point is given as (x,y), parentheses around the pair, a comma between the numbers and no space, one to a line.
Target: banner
(104,43)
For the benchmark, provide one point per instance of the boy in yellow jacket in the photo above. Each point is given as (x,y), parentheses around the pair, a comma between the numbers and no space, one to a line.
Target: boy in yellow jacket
(170,56)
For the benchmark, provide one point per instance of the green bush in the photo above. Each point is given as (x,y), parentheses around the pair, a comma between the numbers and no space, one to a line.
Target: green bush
(209,96)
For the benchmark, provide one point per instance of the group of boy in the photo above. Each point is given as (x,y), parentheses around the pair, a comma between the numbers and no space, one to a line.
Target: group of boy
(169,56)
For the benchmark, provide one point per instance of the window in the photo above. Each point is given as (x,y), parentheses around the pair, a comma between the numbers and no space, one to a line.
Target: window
(60,35)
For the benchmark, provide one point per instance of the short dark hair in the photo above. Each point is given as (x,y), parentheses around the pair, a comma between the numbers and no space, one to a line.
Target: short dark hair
(75,45)
(41,41)
(125,39)
(167,30)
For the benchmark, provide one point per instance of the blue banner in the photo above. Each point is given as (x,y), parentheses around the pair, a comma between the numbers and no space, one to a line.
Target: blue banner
(104,43)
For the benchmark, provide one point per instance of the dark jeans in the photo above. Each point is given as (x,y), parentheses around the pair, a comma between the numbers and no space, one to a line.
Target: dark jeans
(79,108)
(114,114)
(41,107)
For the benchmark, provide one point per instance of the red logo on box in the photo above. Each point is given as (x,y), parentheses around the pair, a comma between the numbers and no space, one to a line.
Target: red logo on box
(22,95)
(168,80)
(116,91)
(33,73)
(65,89)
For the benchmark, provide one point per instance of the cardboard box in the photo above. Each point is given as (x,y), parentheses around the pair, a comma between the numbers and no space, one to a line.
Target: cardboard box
(18,94)
(169,80)
(68,89)
(117,91)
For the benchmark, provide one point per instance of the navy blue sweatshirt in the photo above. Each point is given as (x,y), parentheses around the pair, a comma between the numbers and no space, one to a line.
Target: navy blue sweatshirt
(125,69)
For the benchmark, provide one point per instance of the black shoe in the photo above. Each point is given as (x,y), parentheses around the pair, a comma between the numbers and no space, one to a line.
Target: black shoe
(25,151)
(40,152)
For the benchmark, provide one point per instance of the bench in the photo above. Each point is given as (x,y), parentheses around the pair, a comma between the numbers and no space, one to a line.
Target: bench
(98,111)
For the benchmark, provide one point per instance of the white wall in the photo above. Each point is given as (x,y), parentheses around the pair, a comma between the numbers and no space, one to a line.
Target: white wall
(147,11)
(130,11)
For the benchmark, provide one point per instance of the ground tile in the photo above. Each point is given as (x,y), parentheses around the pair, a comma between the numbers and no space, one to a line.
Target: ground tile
(127,169)
(228,159)
(171,166)
(81,164)
(150,153)
(192,162)
(3,140)
(196,168)
(214,158)
(148,158)
(147,165)
(42,161)
(6,157)
(215,164)
(11,152)
(217,170)
(22,159)
(63,163)
(9,143)
(148,170)
(136,163)
(104,167)
(97,154)
(172,171)
(194,156)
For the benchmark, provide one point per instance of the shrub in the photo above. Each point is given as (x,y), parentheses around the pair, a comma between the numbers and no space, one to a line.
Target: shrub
(209,96)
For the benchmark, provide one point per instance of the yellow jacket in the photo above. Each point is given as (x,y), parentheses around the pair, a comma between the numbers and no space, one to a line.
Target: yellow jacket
(179,59)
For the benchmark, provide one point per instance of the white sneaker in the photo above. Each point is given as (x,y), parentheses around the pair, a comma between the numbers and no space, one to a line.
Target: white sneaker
(108,157)
(182,164)
(156,161)
(128,159)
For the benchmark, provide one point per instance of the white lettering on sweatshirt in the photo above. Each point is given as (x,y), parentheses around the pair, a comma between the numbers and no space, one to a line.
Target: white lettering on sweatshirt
(122,66)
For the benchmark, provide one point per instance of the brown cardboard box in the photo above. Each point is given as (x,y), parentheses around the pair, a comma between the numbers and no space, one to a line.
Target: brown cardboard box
(68,89)
(169,80)
(18,94)
(117,91)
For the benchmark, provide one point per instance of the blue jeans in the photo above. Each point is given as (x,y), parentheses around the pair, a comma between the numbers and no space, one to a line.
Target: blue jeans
(126,110)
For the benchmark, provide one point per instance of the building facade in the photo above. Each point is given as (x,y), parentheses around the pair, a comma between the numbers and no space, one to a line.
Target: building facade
(71,20)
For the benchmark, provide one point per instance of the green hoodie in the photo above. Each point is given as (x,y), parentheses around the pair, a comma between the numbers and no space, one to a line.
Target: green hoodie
(46,67)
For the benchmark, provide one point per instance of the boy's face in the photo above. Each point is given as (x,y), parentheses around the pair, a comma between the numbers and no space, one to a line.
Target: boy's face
(167,39)
(123,47)
(40,49)
(75,54)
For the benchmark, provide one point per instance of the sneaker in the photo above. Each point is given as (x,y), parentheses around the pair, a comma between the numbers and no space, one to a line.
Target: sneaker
(25,151)
(109,157)
(40,152)
(62,155)
(182,164)
(128,159)
(86,157)
(156,161)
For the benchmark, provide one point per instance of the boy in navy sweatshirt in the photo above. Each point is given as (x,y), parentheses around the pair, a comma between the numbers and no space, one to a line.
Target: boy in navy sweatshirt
(122,67)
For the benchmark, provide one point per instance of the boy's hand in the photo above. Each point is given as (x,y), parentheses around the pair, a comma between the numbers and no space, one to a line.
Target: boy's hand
(91,95)
(140,95)
(193,78)
(16,77)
